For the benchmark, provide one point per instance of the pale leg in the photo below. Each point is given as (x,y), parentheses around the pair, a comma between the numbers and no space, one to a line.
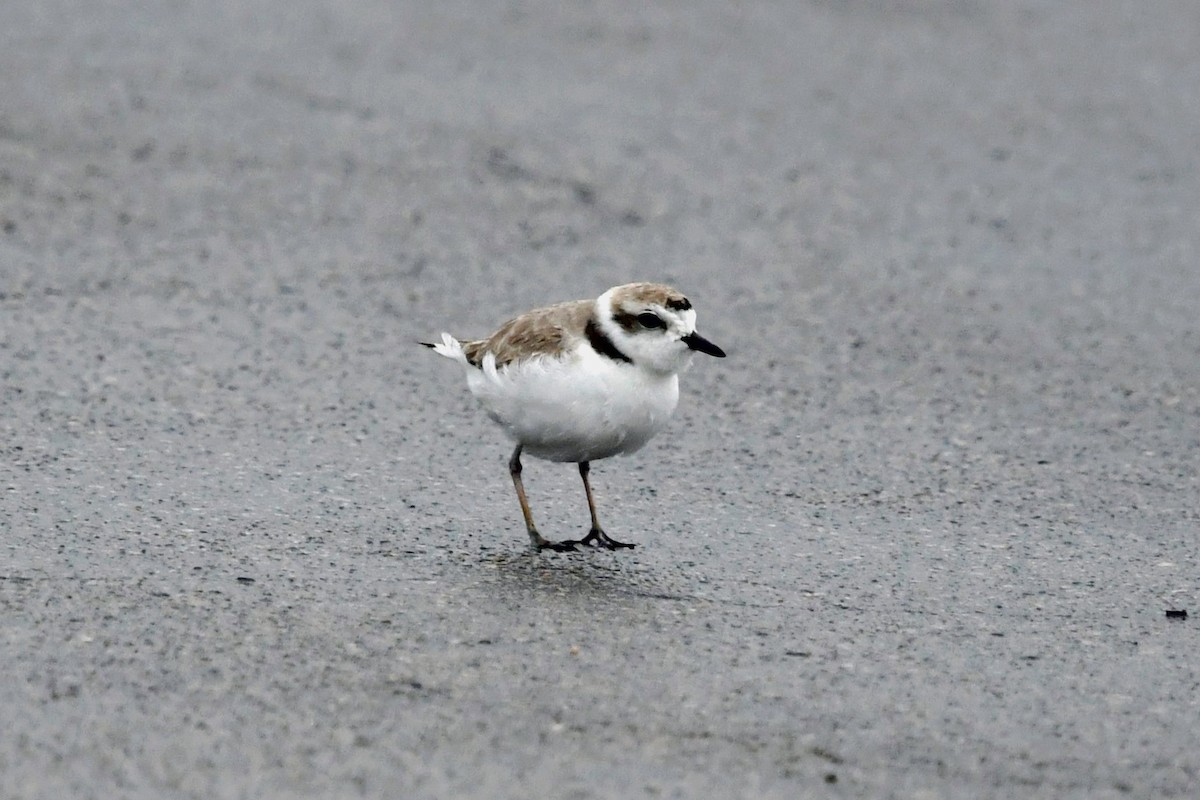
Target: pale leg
(596,536)
(535,538)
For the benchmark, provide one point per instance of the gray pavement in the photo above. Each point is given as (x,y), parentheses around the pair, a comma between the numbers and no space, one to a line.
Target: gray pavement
(916,537)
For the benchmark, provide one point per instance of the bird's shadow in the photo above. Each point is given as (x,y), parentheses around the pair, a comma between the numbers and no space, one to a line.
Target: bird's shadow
(589,577)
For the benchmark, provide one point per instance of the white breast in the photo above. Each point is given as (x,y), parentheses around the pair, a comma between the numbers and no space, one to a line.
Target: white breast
(580,407)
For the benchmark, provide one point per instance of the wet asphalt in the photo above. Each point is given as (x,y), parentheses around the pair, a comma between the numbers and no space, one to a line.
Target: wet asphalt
(929,531)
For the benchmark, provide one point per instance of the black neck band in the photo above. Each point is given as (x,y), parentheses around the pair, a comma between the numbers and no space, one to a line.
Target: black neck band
(603,345)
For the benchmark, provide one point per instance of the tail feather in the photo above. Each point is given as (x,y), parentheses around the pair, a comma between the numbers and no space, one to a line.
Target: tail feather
(448,347)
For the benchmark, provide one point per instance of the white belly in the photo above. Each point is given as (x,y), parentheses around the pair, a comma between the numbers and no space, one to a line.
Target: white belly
(583,408)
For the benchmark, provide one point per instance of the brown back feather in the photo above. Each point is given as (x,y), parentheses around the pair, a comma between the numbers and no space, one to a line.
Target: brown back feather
(533,333)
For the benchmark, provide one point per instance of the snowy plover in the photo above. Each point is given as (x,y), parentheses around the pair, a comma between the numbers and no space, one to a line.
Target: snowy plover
(583,380)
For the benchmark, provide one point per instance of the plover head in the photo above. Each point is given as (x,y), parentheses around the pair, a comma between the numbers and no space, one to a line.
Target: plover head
(652,326)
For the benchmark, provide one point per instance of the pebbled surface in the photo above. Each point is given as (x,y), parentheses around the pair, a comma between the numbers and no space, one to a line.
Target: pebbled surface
(916,536)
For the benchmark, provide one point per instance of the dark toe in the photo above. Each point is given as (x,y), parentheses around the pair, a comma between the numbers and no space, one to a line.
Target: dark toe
(558,547)
(613,544)
(602,539)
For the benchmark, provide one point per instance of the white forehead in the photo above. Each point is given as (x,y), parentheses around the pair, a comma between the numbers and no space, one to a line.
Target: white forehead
(687,319)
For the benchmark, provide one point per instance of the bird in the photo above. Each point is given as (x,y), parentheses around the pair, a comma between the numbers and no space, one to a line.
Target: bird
(582,381)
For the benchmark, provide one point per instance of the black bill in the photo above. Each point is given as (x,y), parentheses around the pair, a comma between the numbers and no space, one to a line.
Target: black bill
(697,342)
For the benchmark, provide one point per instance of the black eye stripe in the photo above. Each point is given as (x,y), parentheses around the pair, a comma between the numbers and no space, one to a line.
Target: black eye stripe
(627,321)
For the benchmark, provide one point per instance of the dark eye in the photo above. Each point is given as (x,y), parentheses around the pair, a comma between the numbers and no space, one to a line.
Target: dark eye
(648,320)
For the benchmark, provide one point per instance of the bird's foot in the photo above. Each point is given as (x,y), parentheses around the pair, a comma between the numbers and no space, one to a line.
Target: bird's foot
(540,543)
(598,538)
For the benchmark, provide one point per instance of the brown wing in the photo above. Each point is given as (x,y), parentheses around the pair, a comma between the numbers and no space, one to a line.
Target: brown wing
(543,331)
